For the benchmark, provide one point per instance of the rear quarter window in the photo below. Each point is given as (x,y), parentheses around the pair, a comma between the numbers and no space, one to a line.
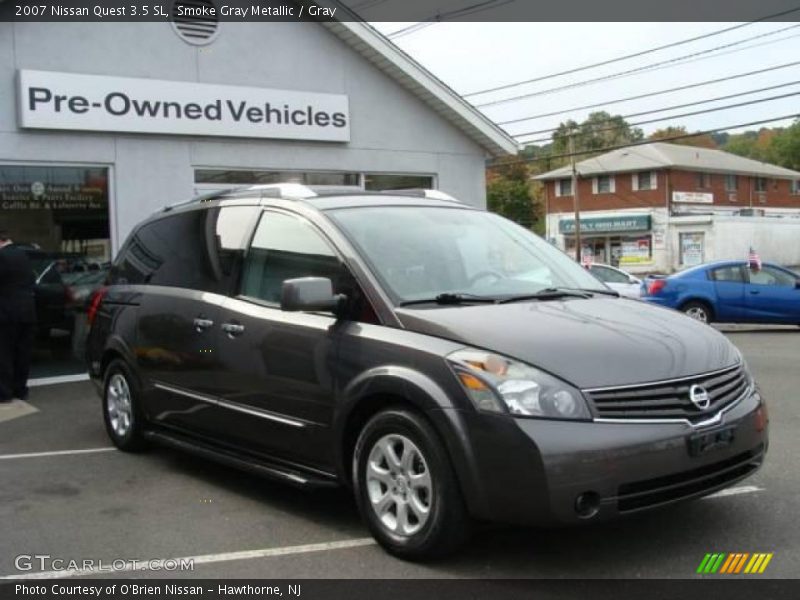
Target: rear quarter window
(197,249)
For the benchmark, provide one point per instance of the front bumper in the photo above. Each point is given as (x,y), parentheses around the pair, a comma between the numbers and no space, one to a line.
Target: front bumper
(532,471)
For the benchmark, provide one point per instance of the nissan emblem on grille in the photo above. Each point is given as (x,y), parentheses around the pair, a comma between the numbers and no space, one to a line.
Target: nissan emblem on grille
(699,397)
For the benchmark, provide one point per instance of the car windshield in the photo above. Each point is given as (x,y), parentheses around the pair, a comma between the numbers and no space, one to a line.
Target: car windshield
(422,253)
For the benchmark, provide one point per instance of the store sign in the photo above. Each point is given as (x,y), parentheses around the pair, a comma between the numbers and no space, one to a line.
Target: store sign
(49,100)
(693,197)
(607,224)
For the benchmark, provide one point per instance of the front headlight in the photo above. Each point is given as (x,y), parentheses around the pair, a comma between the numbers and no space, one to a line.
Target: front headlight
(498,384)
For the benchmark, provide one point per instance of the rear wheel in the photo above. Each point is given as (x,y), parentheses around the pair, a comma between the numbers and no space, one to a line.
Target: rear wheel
(121,411)
(406,488)
(699,311)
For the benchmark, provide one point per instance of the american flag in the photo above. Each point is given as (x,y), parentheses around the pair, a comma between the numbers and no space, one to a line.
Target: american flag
(754,260)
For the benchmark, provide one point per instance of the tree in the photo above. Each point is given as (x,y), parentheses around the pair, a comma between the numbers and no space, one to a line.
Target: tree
(508,193)
(785,147)
(598,131)
(700,141)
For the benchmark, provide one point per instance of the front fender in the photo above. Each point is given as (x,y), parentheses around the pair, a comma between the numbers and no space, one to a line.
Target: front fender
(432,398)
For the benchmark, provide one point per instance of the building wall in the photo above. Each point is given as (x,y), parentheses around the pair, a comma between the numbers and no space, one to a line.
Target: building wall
(391,130)
(778,195)
(622,198)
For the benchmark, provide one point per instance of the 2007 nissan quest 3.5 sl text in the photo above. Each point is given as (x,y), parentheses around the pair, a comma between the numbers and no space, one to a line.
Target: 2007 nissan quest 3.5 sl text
(444,363)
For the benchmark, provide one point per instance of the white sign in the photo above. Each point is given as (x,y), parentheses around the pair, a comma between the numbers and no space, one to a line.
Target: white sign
(693,197)
(50,100)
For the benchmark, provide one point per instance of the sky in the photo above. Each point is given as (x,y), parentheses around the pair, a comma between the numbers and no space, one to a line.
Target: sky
(475,56)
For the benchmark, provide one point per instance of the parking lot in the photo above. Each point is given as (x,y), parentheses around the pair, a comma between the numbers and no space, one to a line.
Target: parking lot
(67,494)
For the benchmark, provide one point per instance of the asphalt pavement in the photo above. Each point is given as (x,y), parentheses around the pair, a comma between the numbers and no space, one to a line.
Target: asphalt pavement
(67,494)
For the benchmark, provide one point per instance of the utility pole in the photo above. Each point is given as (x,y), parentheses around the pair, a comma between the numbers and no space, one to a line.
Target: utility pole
(575,198)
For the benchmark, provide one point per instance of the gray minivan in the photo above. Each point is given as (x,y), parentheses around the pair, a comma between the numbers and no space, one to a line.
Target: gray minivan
(444,363)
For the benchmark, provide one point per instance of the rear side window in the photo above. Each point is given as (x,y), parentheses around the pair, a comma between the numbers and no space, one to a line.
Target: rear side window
(770,276)
(730,274)
(609,275)
(199,249)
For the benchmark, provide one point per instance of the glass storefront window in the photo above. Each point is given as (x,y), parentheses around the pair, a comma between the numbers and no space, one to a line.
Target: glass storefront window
(377,182)
(243,177)
(59,216)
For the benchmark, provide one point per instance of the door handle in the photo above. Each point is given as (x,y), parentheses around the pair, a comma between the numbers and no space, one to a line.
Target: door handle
(233,329)
(200,324)
(755,292)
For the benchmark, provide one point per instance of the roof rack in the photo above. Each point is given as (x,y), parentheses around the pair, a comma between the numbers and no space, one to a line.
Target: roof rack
(424,193)
(299,191)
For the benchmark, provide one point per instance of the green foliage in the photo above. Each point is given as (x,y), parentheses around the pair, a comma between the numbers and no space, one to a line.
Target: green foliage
(598,131)
(508,193)
(779,146)
(785,147)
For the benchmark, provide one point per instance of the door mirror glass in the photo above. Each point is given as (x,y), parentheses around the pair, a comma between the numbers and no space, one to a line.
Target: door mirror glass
(310,294)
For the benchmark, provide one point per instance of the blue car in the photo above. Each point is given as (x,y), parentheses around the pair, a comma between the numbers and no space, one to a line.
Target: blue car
(730,292)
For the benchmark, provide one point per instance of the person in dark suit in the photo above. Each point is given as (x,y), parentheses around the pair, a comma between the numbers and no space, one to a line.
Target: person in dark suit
(17,319)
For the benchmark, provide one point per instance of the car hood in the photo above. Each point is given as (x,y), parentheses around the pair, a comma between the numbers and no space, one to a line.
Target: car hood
(594,342)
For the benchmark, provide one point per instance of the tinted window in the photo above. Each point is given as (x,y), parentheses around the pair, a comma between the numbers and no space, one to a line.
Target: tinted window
(287,247)
(732,274)
(198,249)
(771,276)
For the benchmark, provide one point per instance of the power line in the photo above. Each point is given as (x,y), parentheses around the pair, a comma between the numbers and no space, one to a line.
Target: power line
(629,56)
(445,16)
(650,67)
(687,104)
(688,114)
(644,142)
(648,94)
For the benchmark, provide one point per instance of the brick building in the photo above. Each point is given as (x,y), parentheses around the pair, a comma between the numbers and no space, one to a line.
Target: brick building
(660,207)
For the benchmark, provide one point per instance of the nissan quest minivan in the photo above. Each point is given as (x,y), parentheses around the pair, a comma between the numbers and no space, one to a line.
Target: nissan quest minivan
(442,362)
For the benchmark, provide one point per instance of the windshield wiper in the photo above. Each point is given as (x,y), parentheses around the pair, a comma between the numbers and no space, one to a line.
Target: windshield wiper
(451,298)
(556,293)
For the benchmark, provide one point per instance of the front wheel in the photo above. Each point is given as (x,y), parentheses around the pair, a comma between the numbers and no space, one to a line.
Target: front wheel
(697,311)
(121,411)
(406,489)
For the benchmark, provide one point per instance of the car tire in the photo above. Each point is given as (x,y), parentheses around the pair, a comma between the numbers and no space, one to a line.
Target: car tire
(406,488)
(699,311)
(121,410)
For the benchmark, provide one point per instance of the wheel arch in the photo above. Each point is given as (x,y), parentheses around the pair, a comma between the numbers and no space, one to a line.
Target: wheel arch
(401,387)
(708,303)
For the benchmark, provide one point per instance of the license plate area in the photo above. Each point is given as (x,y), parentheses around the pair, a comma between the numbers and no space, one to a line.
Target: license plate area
(703,443)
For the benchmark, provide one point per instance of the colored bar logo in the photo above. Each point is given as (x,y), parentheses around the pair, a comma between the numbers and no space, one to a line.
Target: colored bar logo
(734,563)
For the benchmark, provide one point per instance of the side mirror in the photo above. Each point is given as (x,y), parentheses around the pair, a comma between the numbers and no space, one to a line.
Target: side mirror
(635,280)
(310,294)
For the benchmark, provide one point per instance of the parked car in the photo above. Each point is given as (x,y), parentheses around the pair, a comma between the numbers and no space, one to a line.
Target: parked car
(83,284)
(52,296)
(439,360)
(617,279)
(730,292)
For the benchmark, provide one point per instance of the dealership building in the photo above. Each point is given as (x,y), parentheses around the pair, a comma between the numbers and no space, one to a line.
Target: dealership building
(102,124)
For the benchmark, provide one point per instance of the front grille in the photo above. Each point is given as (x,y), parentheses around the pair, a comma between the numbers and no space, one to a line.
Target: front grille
(670,488)
(670,400)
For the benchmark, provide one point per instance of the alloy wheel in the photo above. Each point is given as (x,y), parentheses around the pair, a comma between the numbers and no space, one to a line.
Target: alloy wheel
(399,485)
(118,404)
(698,314)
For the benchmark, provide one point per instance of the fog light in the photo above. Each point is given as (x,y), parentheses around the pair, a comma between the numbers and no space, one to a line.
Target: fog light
(587,504)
